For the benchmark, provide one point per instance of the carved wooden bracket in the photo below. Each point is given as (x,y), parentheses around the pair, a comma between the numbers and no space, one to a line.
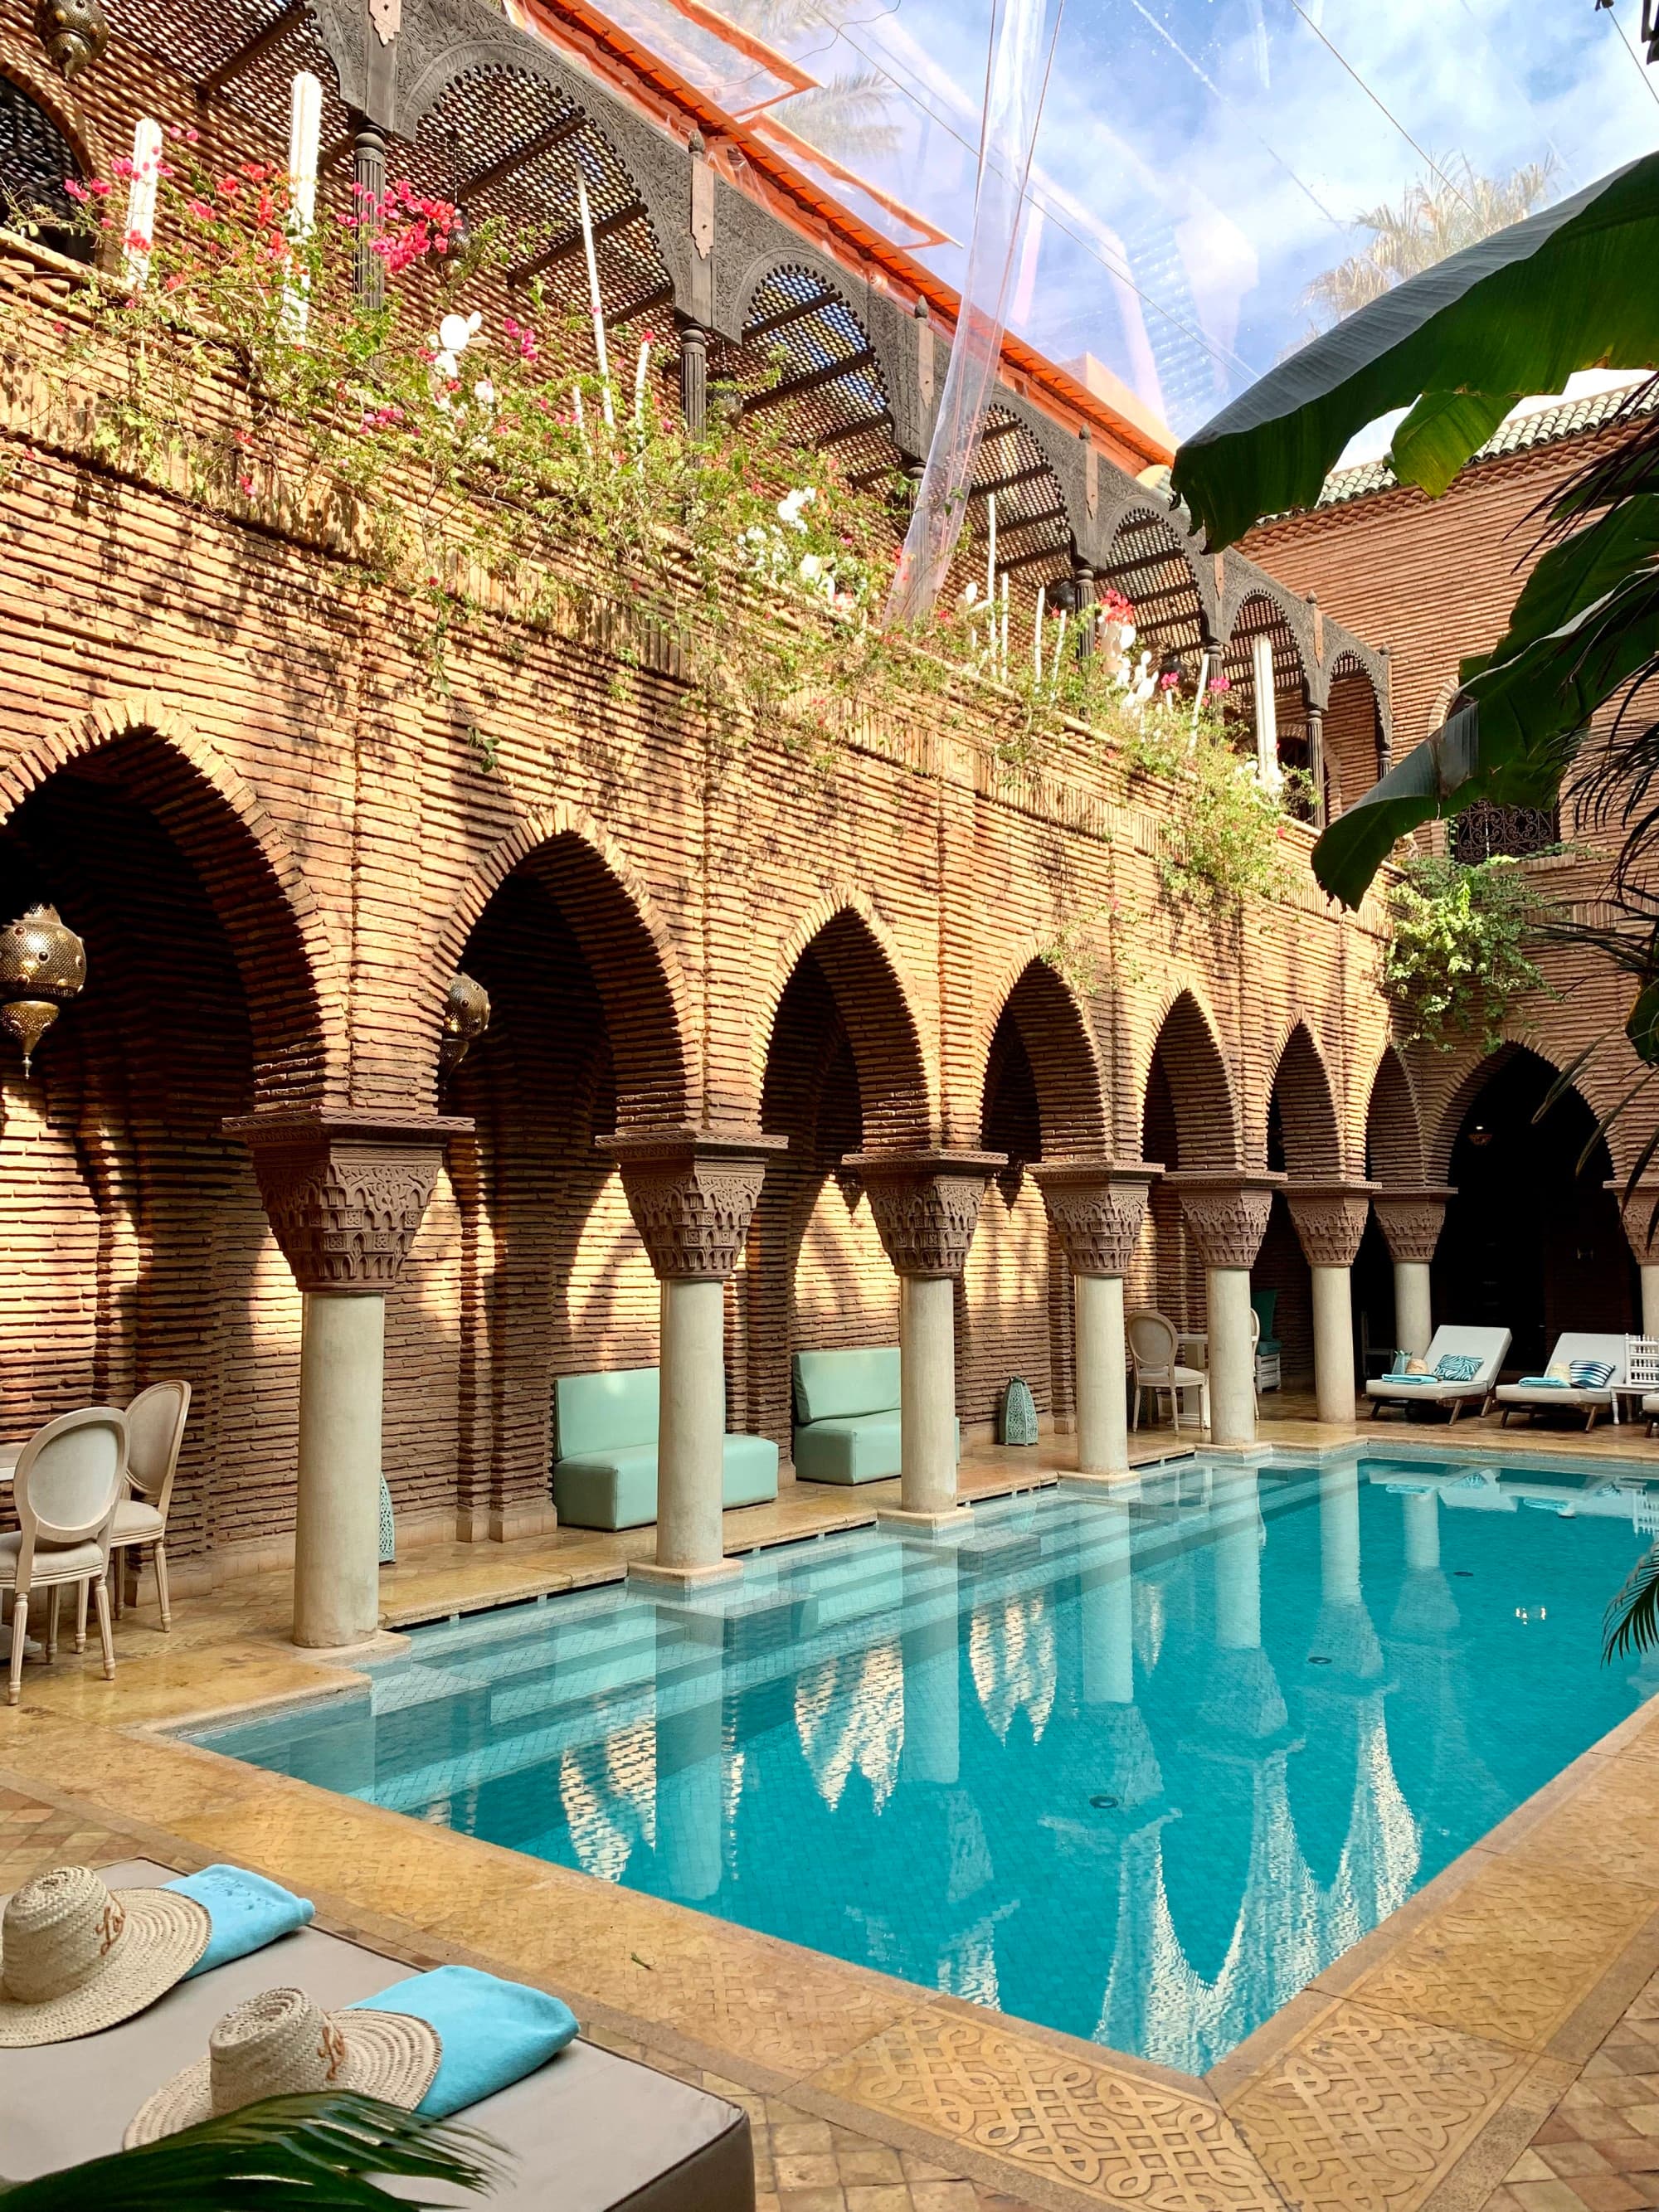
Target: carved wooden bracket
(692,1193)
(1226,1213)
(1096,1208)
(1412,1219)
(926,1205)
(1330,1220)
(346,1191)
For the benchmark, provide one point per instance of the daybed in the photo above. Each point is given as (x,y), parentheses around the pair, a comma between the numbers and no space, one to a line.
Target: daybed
(587,2132)
(1462,1368)
(846,1415)
(604,1453)
(1580,1376)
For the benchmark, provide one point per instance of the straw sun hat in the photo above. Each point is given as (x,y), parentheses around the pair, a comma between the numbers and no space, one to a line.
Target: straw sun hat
(75,1957)
(282,2043)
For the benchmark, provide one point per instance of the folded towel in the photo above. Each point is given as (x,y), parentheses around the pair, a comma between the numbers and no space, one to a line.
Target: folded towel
(246,1912)
(1543,1382)
(493,2033)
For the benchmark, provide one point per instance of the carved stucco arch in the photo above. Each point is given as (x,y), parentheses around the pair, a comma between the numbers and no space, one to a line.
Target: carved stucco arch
(284,954)
(898,1083)
(1200,566)
(629,951)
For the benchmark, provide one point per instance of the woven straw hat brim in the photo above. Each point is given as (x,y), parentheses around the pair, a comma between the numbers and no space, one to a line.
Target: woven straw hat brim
(163,1936)
(388,2055)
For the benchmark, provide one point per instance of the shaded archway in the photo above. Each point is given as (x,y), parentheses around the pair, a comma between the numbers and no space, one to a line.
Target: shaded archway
(1188,1120)
(1303,1141)
(584,1036)
(843,1074)
(1040,1099)
(1267,681)
(1394,1157)
(1353,737)
(136,1245)
(1530,1244)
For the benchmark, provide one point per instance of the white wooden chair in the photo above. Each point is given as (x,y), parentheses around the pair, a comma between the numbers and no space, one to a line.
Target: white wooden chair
(70,1478)
(1154,1340)
(156,1432)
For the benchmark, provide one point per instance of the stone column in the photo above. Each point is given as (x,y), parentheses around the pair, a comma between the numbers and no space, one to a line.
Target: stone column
(1096,1210)
(1640,1213)
(345,1192)
(1412,1219)
(925,1205)
(1330,1221)
(367,184)
(692,1193)
(1226,1216)
(694,377)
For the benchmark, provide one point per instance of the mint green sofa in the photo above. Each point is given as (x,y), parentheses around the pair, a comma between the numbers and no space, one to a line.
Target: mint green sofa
(846,1415)
(604,1453)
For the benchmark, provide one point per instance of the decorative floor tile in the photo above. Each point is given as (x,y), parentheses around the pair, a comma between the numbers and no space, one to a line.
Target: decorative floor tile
(1511,1953)
(1605,1828)
(1117,2135)
(1362,2112)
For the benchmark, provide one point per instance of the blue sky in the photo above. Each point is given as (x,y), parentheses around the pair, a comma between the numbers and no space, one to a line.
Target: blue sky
(1200,160)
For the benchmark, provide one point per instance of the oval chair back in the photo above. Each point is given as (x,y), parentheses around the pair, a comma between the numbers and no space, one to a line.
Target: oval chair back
(70,1478)
(1153,1339)
(155,1433)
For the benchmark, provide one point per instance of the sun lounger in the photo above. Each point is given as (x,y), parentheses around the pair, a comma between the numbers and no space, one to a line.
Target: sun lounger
(1453,1347)
(1580,1357)
(587,2133)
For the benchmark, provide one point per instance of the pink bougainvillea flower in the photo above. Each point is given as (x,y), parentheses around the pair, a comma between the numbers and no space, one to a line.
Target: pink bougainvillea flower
(121,168)
(255,171)
(99,188)
(175,282)
(76,189)
(201,210)
(135,242)
(245,485)
(228,187)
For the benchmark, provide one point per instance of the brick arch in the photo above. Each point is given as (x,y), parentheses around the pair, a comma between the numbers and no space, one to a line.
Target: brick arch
(57,103)
(1600,1093)
(866,982)
(1394,1127)
(1307,1107)
(628,950)
(1041,1010)
(1201,1092)
(256,890)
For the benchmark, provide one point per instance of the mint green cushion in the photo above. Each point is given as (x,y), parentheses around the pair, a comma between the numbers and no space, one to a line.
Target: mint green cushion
(863,1448)
(749,1471)
(618,1489)
(604,1413)
(841,1385)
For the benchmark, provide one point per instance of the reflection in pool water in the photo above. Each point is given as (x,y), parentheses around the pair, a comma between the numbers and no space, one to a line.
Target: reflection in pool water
(1136,1765)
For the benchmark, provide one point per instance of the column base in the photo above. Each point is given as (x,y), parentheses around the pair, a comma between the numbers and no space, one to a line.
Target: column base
(896,1516)
(1071,1478)
(683,1578)
(384,1643)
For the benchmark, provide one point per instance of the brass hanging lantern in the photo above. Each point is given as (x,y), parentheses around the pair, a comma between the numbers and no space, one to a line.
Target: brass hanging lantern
(74,33)
(466,1017)
(43,966)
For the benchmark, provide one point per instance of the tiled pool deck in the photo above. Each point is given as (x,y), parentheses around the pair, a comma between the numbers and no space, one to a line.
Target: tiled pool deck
(1496,2039)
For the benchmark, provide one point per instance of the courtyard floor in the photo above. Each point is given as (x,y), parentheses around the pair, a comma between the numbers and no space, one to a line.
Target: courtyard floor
(1495,2041)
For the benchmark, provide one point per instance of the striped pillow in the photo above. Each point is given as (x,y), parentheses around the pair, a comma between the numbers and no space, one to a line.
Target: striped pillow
(1591,1374)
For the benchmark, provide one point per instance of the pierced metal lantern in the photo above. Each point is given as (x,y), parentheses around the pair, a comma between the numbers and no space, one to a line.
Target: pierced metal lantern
(43,966)
(466,1017)
(74,33)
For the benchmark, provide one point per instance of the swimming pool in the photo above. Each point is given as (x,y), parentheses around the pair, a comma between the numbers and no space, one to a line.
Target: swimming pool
(1134,1764)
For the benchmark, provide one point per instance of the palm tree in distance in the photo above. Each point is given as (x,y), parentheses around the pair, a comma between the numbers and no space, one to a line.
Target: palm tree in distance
(1439,214)
(849,116)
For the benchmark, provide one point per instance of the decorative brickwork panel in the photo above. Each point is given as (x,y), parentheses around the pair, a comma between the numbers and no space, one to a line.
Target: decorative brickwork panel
(1411,1221)
(1096,1211)
(1226,1216)
(926,1205)
(1330,1220)
(692,1197)
(345,1194)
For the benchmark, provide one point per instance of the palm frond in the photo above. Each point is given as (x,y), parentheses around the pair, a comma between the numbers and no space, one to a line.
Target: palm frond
(314,2154)
(1632,1620)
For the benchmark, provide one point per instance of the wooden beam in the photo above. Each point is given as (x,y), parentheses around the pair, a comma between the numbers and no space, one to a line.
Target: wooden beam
(992,431)
(246,55)
(517,158)
(1030,560)
(767,324)
(832,372)
(659,298)
(1030,521)
(1035,474)
(843,431)
(572,243)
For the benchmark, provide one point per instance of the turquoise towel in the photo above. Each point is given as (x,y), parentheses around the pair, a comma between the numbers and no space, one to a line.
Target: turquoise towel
(493,2033)
(1542,1382)
(246,1911)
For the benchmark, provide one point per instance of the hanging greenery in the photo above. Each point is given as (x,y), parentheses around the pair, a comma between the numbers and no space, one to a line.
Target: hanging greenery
(1457,958)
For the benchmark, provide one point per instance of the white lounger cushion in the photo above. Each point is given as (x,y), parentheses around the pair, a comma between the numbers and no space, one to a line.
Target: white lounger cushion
(1488,1345)
(1568,1348)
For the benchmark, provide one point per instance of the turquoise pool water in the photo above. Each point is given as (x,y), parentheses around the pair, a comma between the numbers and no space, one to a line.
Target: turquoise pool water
(1134,1766)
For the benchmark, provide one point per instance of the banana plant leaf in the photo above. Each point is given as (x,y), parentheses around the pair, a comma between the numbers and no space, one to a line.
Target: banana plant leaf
(306,2154)
(1570,288)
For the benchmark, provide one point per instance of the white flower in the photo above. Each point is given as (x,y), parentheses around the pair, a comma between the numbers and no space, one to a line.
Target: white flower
(812,567)
(485,392)
(456,332)
(791,505)
(446,366)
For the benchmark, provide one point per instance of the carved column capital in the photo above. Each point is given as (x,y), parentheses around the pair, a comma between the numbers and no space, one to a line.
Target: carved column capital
(1640,1214)
(1096,1208)
(692,1193)
(346,1191)
(925,1205)
(1330,1220)
(1412,1219)
(1227,1212)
